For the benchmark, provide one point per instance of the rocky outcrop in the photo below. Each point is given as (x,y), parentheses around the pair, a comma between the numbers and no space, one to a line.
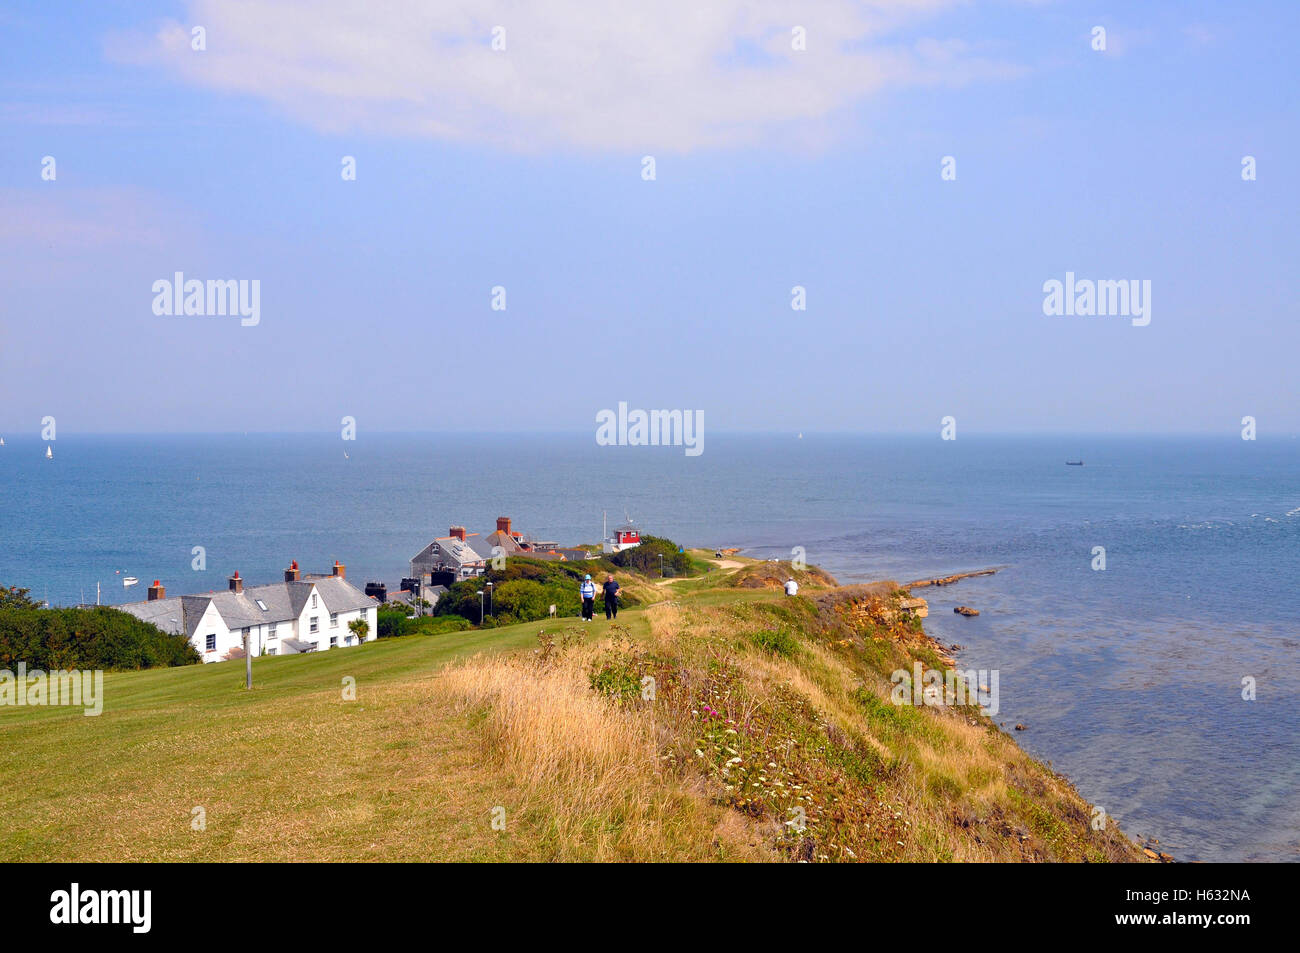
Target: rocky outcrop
(966,610)
(949,580)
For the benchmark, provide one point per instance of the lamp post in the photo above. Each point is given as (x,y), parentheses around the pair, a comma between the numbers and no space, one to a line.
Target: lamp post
(661,565)
(480,607)
(489,597)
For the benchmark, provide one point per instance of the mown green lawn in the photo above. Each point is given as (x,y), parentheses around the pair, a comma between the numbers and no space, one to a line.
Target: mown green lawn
(289,770)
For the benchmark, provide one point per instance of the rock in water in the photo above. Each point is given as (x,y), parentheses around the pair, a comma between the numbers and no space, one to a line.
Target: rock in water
(966,610)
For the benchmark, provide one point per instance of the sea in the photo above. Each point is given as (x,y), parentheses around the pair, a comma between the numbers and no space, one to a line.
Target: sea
(1163,685)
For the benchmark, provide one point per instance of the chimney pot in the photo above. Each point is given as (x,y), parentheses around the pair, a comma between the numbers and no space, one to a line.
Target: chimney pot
(291,574)
(458,532)
(340,570)
(157,591)
(236,584)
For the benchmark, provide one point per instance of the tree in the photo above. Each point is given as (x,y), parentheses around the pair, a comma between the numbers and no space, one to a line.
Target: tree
(360,628)
(11,597)
(645,558)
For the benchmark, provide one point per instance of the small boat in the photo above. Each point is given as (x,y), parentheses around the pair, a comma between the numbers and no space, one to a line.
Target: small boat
(129,581)
(2,441)
(49,452)
(1074,463)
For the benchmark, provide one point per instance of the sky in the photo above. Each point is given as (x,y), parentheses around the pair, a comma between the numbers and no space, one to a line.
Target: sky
(794,145)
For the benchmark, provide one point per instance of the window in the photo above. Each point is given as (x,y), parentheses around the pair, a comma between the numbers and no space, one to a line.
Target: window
(245,632)
(314,626)
(334,620)
(270,631)
(334,641)
(313,600)
(260,604)
(270,651)
(212,642)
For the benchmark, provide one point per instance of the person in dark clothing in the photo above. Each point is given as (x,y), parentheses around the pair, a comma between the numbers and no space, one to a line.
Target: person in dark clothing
(588,592)
(611,597)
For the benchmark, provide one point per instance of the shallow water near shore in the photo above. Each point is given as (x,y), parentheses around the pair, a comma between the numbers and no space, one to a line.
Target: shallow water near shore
(1129,679)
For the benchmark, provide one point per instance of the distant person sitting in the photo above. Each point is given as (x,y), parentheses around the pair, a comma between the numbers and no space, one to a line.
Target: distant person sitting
(611,597)
(588,592)
(791,587)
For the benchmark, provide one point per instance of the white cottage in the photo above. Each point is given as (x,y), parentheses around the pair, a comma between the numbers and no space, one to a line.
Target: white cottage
(302,614)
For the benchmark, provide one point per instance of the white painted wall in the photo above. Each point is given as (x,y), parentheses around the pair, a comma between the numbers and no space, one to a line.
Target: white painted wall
(300,629)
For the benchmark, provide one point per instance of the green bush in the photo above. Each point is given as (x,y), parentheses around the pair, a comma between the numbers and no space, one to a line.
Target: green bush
(776,640)
(645,558)
(437,625)
(99,638)
(393,623)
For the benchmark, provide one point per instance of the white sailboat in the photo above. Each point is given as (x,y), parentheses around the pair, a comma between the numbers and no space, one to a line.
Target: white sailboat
(49,452)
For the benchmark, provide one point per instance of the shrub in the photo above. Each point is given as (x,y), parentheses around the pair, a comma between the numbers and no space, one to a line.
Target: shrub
(645,558)
(391,622)
(99,638)
(776,640)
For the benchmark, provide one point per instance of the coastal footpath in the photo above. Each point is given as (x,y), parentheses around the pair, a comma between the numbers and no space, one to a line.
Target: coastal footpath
(718,720)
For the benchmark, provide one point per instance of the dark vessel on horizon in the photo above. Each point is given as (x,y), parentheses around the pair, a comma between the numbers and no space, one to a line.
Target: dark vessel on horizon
(1074,463)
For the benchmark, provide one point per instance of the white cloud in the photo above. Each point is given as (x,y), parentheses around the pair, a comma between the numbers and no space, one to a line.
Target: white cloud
(631,75)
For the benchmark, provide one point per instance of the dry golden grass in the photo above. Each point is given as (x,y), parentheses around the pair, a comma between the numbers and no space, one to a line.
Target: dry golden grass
(592,768)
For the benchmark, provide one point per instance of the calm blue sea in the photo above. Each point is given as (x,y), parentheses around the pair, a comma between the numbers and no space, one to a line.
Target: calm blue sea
(1129,679)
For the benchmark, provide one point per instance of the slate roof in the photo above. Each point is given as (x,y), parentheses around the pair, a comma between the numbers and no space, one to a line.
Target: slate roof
(508,543)
(450,551)
(284,602)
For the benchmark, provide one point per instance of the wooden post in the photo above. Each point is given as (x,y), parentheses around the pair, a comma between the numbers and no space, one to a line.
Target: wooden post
(248,662)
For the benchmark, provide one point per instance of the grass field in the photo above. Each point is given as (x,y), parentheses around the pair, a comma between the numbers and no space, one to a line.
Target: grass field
(553,741)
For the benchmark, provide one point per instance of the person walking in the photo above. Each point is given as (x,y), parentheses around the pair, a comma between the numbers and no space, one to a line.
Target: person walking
(612,590)
(588,592)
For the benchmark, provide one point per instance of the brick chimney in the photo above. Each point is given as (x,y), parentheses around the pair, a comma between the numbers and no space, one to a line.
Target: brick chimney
(503,525)
(458,532)
(291,574)
(340,570)
(236,584)
(157,591)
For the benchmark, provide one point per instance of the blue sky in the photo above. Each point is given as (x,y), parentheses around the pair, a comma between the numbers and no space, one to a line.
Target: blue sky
(775,168)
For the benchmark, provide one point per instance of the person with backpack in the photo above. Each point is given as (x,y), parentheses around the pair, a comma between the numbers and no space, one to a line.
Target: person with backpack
(588,592)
